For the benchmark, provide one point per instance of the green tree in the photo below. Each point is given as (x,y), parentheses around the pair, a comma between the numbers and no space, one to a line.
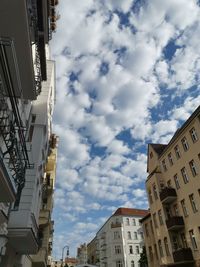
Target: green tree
(143,258)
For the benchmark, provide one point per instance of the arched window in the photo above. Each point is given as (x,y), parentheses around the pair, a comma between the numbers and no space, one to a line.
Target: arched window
(127,221)
(132,264)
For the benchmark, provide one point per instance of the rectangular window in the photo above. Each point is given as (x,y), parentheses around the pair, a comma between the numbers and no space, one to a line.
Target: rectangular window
(185,144)
(193,240)
(156,251)
(176,212)
(119,263)
(170,159)
(146,229)
(131,249)
(177,152)
(164,165)
(193,204)
(134,222)
(185,212)
(116,235)
(175,242)
(155,220)
(137,248)
(135,235)
(193,167)
(193,135)
(33,118)
(155,192)
(166,246)
(185,176)
(160,248)
(141,235)
(150,254)
(150,197)
(160,217)
(184,241)
(176,181)
(151,224)
(129,235)
(30,134)
(118,249)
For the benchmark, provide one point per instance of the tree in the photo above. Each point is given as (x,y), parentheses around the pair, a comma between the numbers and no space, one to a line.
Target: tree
(143,258)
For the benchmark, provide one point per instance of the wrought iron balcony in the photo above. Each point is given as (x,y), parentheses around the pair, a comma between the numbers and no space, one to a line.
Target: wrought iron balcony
(175,223)
(14,156)
(183,255)
(168,195)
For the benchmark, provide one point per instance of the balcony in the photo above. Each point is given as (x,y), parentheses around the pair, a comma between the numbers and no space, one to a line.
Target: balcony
(40,259)
(183,255)
(7,186)
(18,47)
(168,195)
(116,225)
(175,223)
(44,217)
(23,234)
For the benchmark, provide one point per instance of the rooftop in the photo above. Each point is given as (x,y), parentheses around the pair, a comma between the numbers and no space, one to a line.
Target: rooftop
(130,212)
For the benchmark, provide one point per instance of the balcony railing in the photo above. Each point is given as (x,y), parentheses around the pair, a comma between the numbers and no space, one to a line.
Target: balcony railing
(175,223)
(183,255)
(168,195)
(14,150)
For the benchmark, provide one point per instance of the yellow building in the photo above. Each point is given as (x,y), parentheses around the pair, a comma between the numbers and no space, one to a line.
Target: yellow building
(46,225)
(172,229)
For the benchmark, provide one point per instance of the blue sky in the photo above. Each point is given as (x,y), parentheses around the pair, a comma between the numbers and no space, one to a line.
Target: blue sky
(127,74)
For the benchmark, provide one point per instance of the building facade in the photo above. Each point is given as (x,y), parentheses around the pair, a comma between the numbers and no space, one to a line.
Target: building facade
(172,228)
(27,94)
(119,242)
(82,254)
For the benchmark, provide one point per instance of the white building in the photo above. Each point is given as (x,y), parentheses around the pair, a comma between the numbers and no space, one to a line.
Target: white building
(27,85)
(82,254)
(120,239)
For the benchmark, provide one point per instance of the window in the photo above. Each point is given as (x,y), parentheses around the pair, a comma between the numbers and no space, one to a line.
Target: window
(151,224)
(193,204)
(176,212)
(155,192)
(185,144)
(134,222)
(193,135)
(150,197)
(155,220)
(135,235)
(129,235)
(164,165)
(175,242)
(137,248)
(151,155)
(119,263)
(33,118)
(176,181)
(177,152)
(170,159)
(184,208)
(118,249)
(132,264)
(127,221)
(185,176)
(116,235)
(184,241)
(166,246)
(160,217)
(193,168)
(30,134)
(193,240)
(146,229)
(141,235)
(156,251)
(169,183)
(160,248)
(131,249)
(150,254)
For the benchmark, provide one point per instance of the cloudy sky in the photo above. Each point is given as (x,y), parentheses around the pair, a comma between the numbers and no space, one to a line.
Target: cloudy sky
(127,74)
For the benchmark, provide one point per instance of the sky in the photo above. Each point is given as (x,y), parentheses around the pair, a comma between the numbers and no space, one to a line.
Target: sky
(127,74)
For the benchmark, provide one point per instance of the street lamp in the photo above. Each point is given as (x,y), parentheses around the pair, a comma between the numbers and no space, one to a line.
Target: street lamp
(63,252)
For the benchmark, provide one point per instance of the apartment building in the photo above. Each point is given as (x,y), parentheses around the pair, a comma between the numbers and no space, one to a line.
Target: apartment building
(119,242)
(92,253)
(82,254)
(172,228)
(27,85)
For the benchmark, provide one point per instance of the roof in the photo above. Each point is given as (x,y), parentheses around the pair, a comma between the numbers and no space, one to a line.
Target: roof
(130,212)
(158,148)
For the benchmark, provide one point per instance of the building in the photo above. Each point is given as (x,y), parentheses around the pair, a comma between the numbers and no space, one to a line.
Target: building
(172,228)
(82,254)
(27,94)
(92,253)
(71,262)
(119,242)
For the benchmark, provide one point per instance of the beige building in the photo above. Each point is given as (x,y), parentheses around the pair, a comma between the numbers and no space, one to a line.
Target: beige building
(82,254)
(172,229)
(92,252)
